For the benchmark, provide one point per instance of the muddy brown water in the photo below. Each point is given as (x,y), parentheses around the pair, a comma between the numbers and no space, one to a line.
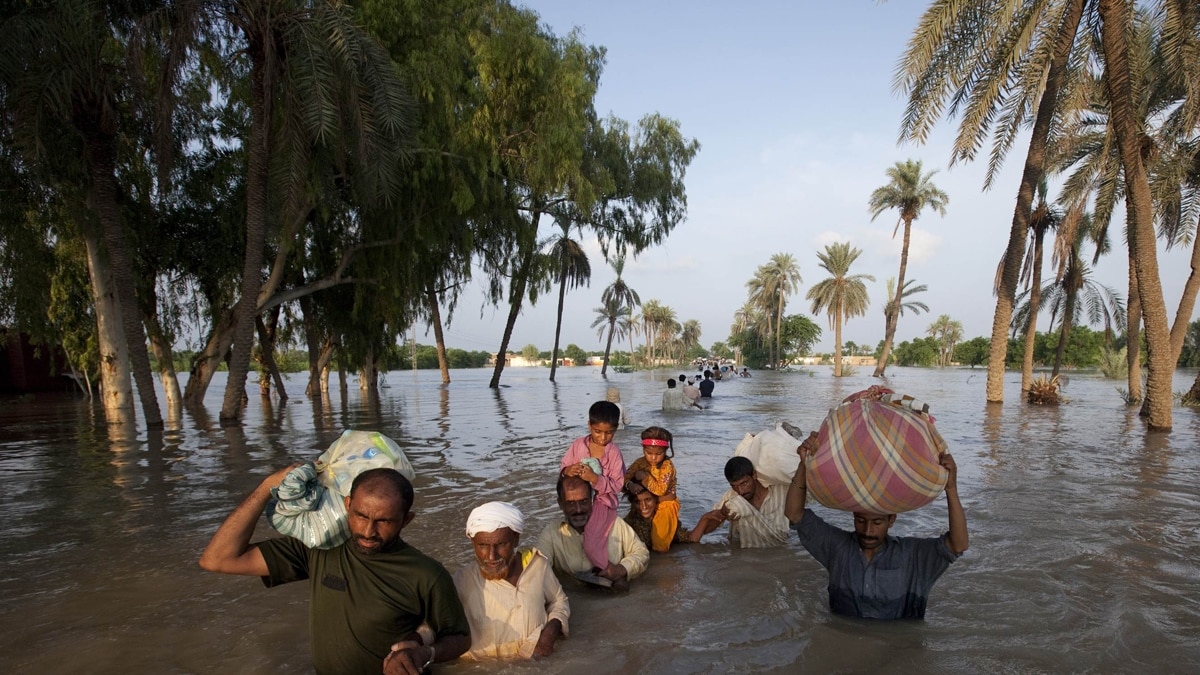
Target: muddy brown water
(1083,554)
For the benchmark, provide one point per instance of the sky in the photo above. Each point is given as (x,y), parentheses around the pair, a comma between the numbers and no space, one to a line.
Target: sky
(793,106)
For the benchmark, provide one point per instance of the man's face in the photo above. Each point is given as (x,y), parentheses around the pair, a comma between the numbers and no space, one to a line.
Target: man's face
(646,504)
(576,504)
(871,529)
(495,552)
(745,486)
(375,519)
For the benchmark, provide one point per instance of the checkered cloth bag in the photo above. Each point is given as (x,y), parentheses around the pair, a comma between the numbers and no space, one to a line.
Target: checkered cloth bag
(877,453)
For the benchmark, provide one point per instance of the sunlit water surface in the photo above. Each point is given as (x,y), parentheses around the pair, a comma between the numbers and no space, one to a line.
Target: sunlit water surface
(1083,531)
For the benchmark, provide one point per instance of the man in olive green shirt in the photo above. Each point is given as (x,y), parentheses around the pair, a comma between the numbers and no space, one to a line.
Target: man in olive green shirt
(368,593)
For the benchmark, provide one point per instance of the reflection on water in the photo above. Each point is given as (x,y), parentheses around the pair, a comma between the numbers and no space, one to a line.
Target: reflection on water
(1083,530)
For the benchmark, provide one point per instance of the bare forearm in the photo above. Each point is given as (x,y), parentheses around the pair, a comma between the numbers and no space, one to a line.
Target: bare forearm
(958,520)
(451,647)
(797,495)
(707,523)
(227,551)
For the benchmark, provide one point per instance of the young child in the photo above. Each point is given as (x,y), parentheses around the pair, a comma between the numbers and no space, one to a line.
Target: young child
(603,418)
(655,471)
(643,504)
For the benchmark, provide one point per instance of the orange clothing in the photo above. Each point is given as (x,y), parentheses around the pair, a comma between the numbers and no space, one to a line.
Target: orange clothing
(661,481)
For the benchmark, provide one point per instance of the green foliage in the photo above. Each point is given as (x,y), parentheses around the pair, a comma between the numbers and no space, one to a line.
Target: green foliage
(720,350)
(1190,356)
(530,352)
(576,354)
(919,352)
(427,358)
(798,336)
(973,352)
(1113,363)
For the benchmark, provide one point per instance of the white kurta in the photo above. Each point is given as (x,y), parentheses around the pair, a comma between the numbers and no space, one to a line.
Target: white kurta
(506,620)
(564,547)
(757,528)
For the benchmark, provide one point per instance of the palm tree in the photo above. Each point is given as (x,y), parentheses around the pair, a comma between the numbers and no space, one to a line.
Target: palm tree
(1041,220)
(609,320)
(840,296)
(619,294)
(773,282)
(910,192)
(658,325)
(914,306)
(948,333)
(571,268)
(689,336)
(998,68)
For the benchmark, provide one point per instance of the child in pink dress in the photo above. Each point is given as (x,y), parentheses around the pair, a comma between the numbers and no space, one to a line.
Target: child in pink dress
(603,418)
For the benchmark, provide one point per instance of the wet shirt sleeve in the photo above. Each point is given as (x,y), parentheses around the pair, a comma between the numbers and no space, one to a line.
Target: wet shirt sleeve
(819,538)
(445,614)
(287,560)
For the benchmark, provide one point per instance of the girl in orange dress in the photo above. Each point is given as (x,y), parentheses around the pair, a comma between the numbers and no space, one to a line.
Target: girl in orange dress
(655,471)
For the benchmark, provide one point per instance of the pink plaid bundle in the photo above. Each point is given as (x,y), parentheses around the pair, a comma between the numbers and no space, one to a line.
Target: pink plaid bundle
(877,454)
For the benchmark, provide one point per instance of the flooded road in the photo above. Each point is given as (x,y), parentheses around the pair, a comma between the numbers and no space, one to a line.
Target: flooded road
(1084,530)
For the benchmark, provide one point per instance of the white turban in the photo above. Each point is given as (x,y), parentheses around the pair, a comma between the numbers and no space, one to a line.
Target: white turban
(494,515)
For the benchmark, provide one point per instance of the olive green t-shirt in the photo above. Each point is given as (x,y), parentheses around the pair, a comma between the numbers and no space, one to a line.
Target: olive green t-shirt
(362,604)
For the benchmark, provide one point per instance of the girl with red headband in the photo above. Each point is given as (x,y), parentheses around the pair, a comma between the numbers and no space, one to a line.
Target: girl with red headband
(655,472)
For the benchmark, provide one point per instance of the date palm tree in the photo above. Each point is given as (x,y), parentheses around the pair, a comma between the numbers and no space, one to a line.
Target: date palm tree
(909,191)
(1043,219)
(571,268)
(842,296)
(948,333)
(770,288)
(620,295)
(999,66)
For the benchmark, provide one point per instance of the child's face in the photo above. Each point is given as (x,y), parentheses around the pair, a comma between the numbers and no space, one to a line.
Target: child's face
(646,504)
(654,454)
(601,432)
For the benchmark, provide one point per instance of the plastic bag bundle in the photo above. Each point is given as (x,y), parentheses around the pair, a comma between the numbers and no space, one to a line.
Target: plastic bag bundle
(877,453)
(309,504)
(773,453)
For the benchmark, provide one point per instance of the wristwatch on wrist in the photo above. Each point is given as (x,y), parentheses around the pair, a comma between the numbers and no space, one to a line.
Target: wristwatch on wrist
(429,661)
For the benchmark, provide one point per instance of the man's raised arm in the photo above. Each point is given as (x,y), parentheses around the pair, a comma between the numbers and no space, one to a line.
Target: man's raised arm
(957,538)
(793,506)
(229,551)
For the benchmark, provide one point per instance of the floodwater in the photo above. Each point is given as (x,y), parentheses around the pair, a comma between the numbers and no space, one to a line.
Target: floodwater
(1083,531)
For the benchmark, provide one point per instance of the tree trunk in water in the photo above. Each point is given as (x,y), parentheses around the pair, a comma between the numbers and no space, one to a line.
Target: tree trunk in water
(562,296)
(1035,304)
(837,342)
(205,364)
(889,333)
(1035,161)
(101,149)
(1114,15)
(1133,338)
(312,339)
(258,161)
(1192,397)
(612,324)
(1064,333)
(368,376)
(516,295)
(435,317)
(779,333)
(1187,301)
(116,387)
(266,341)
(166,366)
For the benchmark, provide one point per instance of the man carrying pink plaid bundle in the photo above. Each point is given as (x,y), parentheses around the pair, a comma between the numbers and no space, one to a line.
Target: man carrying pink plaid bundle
(871,574)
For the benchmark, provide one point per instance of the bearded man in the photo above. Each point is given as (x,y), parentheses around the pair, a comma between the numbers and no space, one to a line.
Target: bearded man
(367,592)
(514,603)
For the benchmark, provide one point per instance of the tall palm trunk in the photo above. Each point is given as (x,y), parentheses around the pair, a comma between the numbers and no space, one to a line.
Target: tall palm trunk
(258,161)
(837,339)
(779,332)
(101,149)
(1035,161)
(1114,16)
(1133,337)
(1187,301)
(266,341)
(116,388)
(435,318)
(1064,333)
(516,295)
(893,315)
(1035,304)
(612,325)
(562,296)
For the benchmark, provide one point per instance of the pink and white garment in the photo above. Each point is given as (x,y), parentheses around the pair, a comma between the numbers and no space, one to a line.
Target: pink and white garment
(608,490)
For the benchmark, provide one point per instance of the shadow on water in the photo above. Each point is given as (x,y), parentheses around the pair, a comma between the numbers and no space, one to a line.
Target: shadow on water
(1082,557)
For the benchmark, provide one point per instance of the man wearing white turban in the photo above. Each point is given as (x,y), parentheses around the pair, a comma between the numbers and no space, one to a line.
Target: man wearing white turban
(514,603)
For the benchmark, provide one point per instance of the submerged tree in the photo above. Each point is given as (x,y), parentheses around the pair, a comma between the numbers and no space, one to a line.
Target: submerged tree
(841,296)
(910,192)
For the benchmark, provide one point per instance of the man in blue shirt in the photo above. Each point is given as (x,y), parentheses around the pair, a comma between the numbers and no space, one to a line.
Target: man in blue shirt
(871,574)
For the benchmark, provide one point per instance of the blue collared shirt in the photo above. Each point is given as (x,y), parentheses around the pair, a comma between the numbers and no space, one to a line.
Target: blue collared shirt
(894,584)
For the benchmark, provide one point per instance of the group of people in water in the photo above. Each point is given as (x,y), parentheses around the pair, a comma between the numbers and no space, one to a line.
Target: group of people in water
(379,605)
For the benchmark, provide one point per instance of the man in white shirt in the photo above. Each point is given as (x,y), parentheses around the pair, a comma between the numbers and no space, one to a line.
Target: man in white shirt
(562,542)
(514,603)
(755,511)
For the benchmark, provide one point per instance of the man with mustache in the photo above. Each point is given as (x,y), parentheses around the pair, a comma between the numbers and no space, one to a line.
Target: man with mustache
(367,592)
(871,574)
(562,542)
(514,603)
